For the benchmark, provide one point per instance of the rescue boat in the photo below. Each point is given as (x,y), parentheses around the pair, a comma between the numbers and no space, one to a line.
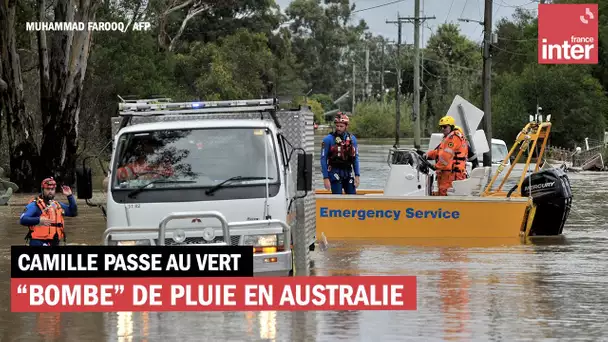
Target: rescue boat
(538,204)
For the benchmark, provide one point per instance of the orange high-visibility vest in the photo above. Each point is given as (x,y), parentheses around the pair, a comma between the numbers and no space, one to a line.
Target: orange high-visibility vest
(53,212)
(450,148)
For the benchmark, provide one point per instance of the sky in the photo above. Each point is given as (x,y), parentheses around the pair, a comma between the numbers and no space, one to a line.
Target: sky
(443,10)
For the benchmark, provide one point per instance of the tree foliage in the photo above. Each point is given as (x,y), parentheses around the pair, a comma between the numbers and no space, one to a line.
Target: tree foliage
(59,90)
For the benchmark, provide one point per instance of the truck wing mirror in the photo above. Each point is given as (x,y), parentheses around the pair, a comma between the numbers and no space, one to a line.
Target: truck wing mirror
(304,172)
(84,183)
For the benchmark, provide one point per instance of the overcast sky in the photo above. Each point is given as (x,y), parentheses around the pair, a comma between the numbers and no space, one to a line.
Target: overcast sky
(443,10)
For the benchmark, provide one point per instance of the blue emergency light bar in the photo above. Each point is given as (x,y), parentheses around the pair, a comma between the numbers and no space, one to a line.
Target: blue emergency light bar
(154,107)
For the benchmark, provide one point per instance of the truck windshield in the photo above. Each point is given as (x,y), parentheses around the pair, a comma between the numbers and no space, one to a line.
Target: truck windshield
(499,152)
(194,158)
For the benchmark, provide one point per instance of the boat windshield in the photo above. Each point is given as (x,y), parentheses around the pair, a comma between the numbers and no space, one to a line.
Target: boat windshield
(186,158)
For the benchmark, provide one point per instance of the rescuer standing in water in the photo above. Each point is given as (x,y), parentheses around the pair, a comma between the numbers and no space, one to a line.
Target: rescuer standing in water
(450,156)
(44,215)
(340,159)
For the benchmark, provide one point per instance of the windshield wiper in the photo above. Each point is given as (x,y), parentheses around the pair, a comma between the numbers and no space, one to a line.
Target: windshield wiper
(156,181)
(219,186)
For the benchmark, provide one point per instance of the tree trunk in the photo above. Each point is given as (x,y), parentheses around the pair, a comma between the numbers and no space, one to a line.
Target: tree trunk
(19,124)
(61,93)
(195,7)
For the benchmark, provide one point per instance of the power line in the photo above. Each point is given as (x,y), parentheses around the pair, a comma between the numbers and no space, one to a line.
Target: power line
(464,7)
(449,11)
(501,3)
(378,6)
(519,40)
(452,65)
(513,52)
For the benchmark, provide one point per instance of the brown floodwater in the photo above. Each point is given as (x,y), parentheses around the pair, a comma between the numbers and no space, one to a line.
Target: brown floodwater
(473,289)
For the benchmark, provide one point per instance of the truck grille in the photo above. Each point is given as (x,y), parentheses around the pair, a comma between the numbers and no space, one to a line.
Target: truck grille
(234,241)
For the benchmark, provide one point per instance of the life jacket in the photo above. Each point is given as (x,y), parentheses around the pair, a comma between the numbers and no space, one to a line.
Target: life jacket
(469,152)
(460,155)
(342,153)
(448,155)
(54,212)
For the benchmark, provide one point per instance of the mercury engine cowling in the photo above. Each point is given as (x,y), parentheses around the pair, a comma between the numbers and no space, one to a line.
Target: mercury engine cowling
(552,195)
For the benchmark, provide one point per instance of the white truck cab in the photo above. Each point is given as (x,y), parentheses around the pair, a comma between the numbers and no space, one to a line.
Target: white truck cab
(499,152)
(184,176)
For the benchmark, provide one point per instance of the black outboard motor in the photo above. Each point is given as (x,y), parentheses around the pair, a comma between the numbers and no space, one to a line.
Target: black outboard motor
(552,195)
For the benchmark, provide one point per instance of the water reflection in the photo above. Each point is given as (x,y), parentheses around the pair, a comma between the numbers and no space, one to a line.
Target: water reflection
(268,325)
(250,317)
(469,289)
(48,325)
(124,326)
(454,286)
(341,260)
(145,328)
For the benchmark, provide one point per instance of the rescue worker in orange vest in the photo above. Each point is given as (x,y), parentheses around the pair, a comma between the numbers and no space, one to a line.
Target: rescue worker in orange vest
(141,168)
(450,160)
(44,215)
(472,157)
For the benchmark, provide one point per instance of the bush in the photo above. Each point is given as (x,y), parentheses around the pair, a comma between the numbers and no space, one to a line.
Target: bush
(377,120)
(325,101)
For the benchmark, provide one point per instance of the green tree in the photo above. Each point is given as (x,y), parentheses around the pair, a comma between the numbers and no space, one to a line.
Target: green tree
(320,36)
(378,120)
(452,66)
(517,44)
(574,98)
(325,101)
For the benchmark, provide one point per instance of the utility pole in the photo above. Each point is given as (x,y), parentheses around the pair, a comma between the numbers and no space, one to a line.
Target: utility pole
(417,19)
(382,72)
(367,85)
(352,112)
(486,78)
(487,81)
(417,75)
(398,87)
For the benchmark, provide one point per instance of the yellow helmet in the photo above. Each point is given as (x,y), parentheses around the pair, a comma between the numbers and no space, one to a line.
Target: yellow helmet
(457,128)
(447,120)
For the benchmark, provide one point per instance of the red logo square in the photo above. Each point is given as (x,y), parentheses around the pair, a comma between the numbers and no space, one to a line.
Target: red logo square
(568,34)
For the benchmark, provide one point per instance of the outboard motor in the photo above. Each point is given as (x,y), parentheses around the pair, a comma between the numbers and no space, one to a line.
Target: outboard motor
(552,195)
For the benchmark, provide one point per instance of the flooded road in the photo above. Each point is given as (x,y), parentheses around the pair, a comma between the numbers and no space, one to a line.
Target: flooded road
(488,290)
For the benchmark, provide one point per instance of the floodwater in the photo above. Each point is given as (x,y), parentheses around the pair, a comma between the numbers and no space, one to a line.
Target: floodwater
(486,290)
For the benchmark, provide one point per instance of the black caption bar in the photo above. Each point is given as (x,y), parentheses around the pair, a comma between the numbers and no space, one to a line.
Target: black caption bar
(131,261)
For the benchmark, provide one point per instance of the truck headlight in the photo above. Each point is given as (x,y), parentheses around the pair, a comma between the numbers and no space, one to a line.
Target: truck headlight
(179,236)
(133,243)
(263,240)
